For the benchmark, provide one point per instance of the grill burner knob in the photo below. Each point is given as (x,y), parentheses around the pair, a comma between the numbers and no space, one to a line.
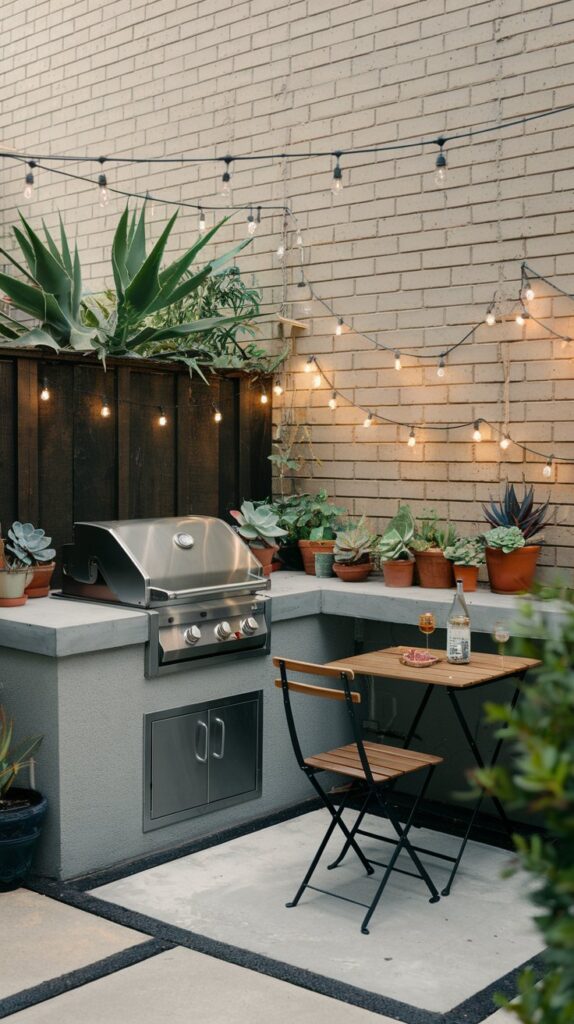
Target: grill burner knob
(223,631)
(249,626)
(192,635)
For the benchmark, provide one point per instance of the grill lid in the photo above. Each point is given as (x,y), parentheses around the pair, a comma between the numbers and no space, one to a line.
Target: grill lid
(150,561)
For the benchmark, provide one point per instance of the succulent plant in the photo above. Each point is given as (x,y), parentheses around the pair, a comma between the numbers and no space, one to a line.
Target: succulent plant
(393,546)
(353,545)
(29,544)
(507,538)
(13,759)
(258,523)
(510,510)
(430,535)
(466,551)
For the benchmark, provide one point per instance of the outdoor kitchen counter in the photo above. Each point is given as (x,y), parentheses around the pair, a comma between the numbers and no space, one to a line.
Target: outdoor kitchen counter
(58,628)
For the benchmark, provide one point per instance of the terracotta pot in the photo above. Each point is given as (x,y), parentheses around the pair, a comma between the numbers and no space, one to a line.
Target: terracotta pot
(399,573)
(265,556)
(512,573)
(290,556)
(39,585)
(352,572)
(433,569)
(469,576)
(309,548)
(12,586)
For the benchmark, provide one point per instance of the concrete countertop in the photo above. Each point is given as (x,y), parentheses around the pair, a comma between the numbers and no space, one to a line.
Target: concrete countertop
(57,628)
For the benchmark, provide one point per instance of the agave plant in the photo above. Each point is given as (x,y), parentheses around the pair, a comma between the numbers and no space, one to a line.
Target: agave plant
(13,759)
(529,518)
(258,523)
(353,545)
(29,544)
(52,294)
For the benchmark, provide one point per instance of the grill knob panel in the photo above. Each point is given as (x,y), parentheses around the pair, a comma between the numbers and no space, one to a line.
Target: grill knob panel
(223,631)
(192,635)
(249,626)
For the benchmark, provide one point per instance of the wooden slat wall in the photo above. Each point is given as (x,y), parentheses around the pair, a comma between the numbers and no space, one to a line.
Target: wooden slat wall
(61,461)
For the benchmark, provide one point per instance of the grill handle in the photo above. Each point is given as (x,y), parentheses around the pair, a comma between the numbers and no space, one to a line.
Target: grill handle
(222,588)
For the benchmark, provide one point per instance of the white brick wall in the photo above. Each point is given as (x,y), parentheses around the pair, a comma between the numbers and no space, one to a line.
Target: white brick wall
(400,258)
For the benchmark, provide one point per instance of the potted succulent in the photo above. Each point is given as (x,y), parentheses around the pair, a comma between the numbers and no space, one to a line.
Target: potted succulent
(513,545)
(428,544)
(13,580)
(352,551)
(31,549)
(310,521)
(22,811)
(259,527)
(467,555)
(393,547)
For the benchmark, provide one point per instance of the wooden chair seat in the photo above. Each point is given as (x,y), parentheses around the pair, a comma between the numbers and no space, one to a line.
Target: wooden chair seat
(385,762)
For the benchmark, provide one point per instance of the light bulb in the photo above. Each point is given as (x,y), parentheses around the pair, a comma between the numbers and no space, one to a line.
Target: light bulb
(280,250)
(277,388)
(226,180)
(339,327)
(309,364)
(45,392)
(368,422)
(333,401)
(201,224)
(299,241)
(476,435)
(529,293)
(105,410)
(397,360)
(162,418)
(251,224)
(520,319)
(547,471)
(441,368)
(490,318)
(505,442)
(263,398)
(103,187)
(337,184)
(29,186)
(412,439)
(440,165)
(217,417)
(317,380)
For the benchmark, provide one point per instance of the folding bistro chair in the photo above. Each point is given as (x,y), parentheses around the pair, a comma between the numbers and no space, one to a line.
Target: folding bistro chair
(370,766)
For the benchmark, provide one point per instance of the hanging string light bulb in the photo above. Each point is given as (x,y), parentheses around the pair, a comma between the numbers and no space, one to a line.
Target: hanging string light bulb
(217,416)
(201,222)
(547,471)
(333,401)
(440,165)
(45,392)
(162,418)
(104,195)
(251,223)
(412,439)
(278,388)
(339,327)
(368,421)
(280,251)
(29,180)
(476,434)
(490,317)
(299,240)
(309,364)
(441,368)
(264,398)
(522,317)
(226,178)
(105,411)
(337,185)
(397,360)
(317,380)
(505,442)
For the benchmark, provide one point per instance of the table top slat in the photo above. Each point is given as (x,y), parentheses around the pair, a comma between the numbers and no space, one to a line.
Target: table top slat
(482,668)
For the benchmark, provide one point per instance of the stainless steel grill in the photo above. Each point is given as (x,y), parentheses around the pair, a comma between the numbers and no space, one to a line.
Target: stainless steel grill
(200,584)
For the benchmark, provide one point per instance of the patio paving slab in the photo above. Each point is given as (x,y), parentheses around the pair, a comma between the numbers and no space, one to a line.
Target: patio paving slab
(181,985)
(428,956)
(41,939)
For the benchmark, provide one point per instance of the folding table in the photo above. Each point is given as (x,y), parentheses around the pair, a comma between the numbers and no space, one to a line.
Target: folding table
(455,679)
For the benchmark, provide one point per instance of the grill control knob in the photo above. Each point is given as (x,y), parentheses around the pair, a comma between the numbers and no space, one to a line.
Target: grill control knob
(249,626)
(192,635)
(223,631)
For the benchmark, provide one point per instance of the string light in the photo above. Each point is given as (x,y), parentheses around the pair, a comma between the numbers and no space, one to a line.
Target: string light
(547,470)
(529,293)
(251,222)
(440,164)
(477,436)
(299,240)
(162,418)
(105,411)
(441,368)
(490,317)
(505,442)
(337,186)
(280,250)
(412,439)
(103,185)
(217,417)
(317,380)
(226,179)
(278,388)
(309,364)
(29,181)
(522,317)
(397,360)
(45,392)
(333,401)
(368,422)
(339,327)
(264,398)
(201,222)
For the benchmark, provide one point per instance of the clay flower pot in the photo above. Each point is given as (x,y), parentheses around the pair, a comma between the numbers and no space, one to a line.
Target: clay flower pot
(433,569)
(39,585)
(398,573)
(469,576)
(352,572)
(265,556)
(12,586)
(512,573)
(310,548)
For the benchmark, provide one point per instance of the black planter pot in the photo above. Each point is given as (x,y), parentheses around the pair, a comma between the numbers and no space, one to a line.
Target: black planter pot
(20,829)
(290,556)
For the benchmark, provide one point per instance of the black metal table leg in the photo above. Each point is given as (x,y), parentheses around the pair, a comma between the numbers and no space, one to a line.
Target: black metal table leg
(418,715)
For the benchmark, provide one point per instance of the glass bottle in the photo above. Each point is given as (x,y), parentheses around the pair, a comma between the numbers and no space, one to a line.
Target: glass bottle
(458,629)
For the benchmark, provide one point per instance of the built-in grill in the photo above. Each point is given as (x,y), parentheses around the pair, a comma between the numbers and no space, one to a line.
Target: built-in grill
(198,581)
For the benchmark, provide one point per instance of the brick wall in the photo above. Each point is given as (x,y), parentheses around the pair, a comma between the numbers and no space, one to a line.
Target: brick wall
(412,264)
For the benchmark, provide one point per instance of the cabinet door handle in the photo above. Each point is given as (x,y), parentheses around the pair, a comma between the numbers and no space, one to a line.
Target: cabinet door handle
(202,760)
(218,757)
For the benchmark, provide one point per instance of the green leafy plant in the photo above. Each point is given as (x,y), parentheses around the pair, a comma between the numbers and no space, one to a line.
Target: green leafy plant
(394,545)
(13,758)
(308,516)
(354,544)
(258,523)
(507,538)
(430,534)
(466,551)
(522,513)
(29,545)
(52,294)
(541,780)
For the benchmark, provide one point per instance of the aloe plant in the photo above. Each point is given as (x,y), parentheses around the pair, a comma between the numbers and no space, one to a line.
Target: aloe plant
(13,758)
(52,294)
(511,510)
(258,523)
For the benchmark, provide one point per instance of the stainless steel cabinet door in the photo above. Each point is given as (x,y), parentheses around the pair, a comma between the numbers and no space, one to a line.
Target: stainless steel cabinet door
(180,763)
(233,750)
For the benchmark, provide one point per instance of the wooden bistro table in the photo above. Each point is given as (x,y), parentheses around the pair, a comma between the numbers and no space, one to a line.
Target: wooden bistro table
(455,680)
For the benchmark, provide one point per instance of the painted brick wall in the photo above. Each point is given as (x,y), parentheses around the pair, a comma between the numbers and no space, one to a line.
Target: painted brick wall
(409,263)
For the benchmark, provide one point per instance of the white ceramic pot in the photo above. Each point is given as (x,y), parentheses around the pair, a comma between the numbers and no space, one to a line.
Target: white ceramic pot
(13,583)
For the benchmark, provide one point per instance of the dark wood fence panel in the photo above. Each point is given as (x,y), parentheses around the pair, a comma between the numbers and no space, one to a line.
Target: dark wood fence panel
(62,461)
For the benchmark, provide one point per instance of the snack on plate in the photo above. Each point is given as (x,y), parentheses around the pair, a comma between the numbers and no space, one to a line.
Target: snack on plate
(418,659)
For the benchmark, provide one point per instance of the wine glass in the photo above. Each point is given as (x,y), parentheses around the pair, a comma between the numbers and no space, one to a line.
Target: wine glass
(427,625)
(501,636)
